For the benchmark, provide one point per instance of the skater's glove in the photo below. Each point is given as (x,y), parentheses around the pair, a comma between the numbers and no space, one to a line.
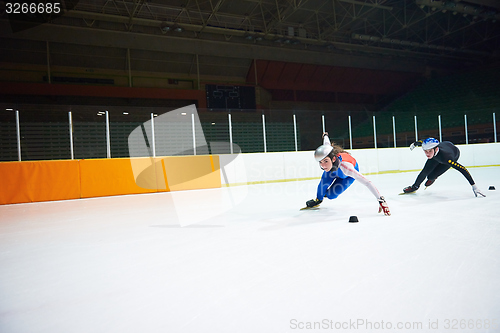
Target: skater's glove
(477,191)
(313,203)
(415,144)
(383,207)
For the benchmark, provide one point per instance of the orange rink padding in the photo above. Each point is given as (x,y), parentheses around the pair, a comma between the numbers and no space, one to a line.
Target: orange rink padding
(59,180)
(39,181)
(177,173)
(191,172)
(103,177)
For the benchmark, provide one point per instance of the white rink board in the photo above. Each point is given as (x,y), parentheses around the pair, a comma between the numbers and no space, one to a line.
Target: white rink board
(268,167)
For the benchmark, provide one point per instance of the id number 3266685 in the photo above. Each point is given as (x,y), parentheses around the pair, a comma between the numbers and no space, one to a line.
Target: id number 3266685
(33,8)
(455,324)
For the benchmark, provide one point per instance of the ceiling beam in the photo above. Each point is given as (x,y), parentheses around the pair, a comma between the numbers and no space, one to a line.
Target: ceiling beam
(172,44)
(368,4)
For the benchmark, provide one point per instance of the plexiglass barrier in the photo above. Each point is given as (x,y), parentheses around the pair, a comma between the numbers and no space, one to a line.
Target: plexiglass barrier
(50,132)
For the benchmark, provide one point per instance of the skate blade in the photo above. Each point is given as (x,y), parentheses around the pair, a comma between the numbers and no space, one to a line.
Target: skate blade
(310,208)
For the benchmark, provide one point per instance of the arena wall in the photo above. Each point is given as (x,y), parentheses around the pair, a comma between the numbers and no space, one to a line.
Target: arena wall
(35,181)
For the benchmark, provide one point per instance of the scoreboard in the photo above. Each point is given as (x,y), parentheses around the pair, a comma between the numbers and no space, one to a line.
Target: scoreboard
(230,97)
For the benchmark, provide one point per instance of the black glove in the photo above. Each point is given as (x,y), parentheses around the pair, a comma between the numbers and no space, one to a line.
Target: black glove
(416,144)
(410,189)
(313,203)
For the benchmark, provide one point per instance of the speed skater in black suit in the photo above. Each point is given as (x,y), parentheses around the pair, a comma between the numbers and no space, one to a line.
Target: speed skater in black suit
(440,157)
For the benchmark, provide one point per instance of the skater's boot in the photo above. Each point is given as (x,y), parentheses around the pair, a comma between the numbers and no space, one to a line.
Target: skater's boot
(410,189)
(429,182)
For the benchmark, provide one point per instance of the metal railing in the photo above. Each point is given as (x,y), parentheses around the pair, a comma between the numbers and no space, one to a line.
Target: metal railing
(29,132)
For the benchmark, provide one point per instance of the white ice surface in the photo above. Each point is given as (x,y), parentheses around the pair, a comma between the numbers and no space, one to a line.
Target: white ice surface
(245,259)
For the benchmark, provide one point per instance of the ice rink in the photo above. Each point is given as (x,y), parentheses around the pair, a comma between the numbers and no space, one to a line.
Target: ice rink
(245,259)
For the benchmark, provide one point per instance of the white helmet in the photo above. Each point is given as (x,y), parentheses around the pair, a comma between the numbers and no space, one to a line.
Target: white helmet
(322,152)
(429,143)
